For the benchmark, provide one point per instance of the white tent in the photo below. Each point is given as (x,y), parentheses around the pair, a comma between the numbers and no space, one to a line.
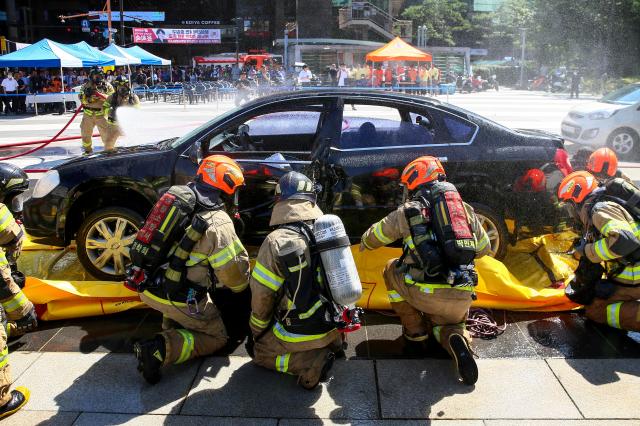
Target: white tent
(118,51)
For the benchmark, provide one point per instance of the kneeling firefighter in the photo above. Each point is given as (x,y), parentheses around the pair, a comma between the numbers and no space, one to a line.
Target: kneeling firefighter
(431,286)
(303,287)
(20,312)
(607,279)
(186,244)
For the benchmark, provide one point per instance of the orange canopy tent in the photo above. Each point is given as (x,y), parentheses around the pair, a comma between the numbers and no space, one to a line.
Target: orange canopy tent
(398,50)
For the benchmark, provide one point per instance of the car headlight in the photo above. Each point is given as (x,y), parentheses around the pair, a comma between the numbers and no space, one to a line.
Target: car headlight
(46,184)
(600,115)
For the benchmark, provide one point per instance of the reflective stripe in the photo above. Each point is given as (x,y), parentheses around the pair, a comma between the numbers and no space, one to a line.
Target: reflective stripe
(187,345)
(17,301)
(615,224)
(168,219)
(222,257)
(4,357)
(195,258)
(409,242)
(394,296)
(5,218)
(298,267)
(163,301)
(436,332)
(377,231)
(429,288)
(602,250)
(181,253)
(267,278)
(3,259)
(311,311)
(416,338)
(613,314)
(629,273)
(282,362)
(482,244)
(258,322)
(286,336)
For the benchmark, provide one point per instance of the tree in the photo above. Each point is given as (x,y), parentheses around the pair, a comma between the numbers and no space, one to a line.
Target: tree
(446,20)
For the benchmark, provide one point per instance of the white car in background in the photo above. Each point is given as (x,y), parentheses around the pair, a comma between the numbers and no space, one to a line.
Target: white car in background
(613,121)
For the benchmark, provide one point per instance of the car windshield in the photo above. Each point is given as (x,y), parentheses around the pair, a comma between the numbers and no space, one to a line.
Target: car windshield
(179,141)
(627,95)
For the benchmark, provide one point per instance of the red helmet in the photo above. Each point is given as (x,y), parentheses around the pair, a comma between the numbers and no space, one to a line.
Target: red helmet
(603,161)
(534,180)
(220,172)
(577,186)
(420,171)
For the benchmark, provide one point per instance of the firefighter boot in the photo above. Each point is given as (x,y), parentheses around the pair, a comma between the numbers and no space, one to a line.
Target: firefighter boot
(313,376)
(23,325)
(19,397)
(150,355)
(465,364)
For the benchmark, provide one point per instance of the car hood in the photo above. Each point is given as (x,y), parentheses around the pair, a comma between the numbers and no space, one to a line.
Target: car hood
(119,154)
(590,107)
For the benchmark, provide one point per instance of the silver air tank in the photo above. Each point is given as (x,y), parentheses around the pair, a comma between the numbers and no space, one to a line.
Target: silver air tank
(337,259)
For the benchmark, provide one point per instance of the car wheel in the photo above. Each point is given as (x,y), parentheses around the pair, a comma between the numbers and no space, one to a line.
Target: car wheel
(624,142)
(103,242)
(493,224)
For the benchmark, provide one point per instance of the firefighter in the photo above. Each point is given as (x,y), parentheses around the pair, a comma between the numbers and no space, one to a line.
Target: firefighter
(603,164)
(123,96)
(611,237)
(10,401)
(20,312)
(422,296)
(309,351)
(93,95)
(192,326)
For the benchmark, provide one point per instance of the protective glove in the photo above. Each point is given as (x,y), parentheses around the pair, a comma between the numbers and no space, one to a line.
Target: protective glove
(362,247)
(578,249)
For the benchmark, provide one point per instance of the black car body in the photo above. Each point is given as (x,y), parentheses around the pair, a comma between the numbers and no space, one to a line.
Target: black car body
(354,144)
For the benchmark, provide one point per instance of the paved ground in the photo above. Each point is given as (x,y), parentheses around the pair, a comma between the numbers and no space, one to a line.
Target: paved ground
(555,369)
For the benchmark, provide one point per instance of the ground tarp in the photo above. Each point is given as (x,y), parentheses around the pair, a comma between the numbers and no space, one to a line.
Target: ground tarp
(398,50)
(532,277)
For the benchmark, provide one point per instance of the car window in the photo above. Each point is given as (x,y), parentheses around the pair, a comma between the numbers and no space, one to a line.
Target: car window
(375,126)
(451,129)
(284,123)
(627,95)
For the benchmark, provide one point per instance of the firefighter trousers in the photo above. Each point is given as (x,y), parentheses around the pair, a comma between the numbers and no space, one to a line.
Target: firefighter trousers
(13,300)
(423,309)
(5,370)
(88,123)
(304,359)
(186,334)
(621,310)
(111,136)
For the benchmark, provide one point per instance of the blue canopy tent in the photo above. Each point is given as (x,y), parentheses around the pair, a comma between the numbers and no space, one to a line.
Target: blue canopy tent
(91,56)
(147,58)
(121,53)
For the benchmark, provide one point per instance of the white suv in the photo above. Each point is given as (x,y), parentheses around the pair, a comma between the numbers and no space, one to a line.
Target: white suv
(613,121)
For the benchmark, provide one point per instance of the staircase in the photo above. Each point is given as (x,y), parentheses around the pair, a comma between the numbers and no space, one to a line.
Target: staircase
(365,15)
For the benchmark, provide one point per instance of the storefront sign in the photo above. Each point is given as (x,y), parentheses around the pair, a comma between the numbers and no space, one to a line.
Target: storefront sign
(128,16)
(176,35)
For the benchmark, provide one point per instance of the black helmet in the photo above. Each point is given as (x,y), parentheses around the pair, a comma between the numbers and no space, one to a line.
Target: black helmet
(121,80)
(295,186)
(96,71)
(13,180)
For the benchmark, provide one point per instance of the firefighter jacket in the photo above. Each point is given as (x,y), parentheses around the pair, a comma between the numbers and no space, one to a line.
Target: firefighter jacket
(221,250)
(394,227)
(114,101)
(268,276)
(614,237)
(11,237)
(94,104)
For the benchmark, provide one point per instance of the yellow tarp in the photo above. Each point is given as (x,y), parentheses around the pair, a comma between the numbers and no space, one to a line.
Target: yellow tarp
(532,277)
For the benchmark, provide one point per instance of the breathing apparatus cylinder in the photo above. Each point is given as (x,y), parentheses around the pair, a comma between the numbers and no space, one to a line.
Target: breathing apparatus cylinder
(335,253)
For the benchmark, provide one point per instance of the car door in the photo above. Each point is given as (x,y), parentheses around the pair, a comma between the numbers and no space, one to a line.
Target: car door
(378,139)
(267,142)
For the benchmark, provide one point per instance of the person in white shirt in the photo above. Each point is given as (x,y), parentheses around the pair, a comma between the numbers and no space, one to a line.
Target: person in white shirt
(343,74)
(304,77)
(9,87)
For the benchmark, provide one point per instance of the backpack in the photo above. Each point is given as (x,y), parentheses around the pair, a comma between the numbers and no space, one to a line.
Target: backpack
(445,246)
(624,193)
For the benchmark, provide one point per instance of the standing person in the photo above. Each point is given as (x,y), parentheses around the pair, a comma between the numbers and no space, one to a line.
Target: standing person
(123,96)
(435,79)
(333,74)
(9,87)
(343,74)
(431,285)
(290,334)
(576,79)
(210,251)
(609,238)
(304,76)
(93,95)
(21,105)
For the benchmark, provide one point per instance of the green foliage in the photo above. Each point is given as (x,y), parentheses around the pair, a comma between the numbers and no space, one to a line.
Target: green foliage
(444,19)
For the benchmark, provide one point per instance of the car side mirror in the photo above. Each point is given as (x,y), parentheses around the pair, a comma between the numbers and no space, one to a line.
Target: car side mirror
(194,153)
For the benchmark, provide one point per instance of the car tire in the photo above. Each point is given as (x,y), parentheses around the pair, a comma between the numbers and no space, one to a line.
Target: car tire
(625,142)
(496,229)
(103,242)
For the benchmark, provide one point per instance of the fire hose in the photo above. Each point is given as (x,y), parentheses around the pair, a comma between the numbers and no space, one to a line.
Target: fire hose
(44,143)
